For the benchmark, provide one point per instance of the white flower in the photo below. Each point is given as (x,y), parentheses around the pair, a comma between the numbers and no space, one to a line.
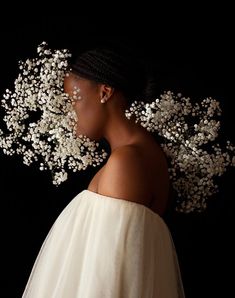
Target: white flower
(49,137)
(41,126)
(192,168)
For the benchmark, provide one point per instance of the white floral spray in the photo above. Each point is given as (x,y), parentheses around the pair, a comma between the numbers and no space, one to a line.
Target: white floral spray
(41,126)
(188,132)
(50,140)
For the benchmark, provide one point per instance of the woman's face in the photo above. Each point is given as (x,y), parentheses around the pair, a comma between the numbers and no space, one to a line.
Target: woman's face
(86,96)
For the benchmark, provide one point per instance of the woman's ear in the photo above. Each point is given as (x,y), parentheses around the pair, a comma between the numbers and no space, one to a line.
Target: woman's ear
(106,92)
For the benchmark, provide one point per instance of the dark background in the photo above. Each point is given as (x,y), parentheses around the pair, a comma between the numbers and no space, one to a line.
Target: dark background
(193,54)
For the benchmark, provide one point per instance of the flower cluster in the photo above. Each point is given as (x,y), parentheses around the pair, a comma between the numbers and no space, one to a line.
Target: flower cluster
(40,119)
(41,126)
(188,132)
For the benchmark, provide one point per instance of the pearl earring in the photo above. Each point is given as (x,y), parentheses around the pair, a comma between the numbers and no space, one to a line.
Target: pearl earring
(103,100)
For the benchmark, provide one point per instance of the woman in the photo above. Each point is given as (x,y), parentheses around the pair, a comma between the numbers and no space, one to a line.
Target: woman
(111,240)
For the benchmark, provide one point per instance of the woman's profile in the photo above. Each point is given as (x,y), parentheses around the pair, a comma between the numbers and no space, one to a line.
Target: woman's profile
(111,239)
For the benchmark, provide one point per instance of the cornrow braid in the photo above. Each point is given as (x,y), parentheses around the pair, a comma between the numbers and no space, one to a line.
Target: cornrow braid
(118,68)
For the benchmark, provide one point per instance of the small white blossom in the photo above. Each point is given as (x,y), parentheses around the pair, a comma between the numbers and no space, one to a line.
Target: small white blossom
(192,169)
(51,139)
(41,124)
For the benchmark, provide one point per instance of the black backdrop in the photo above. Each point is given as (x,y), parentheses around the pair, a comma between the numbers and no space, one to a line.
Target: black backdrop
(193,55)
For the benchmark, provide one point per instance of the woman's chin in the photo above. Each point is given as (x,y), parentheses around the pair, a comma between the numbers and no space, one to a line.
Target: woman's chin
(81,134)
(93,137)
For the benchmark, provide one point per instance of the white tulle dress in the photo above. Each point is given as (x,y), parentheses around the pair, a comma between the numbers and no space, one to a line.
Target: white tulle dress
(104,247)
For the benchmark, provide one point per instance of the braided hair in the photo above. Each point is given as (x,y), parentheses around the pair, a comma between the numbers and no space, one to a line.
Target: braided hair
(118,67)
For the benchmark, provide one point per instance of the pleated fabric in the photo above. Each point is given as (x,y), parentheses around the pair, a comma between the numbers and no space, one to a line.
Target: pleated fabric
(105,247)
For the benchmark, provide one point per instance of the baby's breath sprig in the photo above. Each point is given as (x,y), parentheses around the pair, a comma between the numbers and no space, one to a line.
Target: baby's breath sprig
(186,129)
(40,120)
(41,126)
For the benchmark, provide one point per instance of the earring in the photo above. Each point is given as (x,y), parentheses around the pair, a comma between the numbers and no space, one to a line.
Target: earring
(103,100)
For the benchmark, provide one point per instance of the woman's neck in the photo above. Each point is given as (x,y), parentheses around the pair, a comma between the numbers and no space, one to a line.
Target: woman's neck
(121,131)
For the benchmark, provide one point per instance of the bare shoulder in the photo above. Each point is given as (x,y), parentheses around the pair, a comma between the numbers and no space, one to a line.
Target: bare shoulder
(124,175)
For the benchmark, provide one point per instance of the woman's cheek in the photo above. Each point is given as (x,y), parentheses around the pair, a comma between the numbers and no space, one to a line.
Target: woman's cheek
(83,115)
